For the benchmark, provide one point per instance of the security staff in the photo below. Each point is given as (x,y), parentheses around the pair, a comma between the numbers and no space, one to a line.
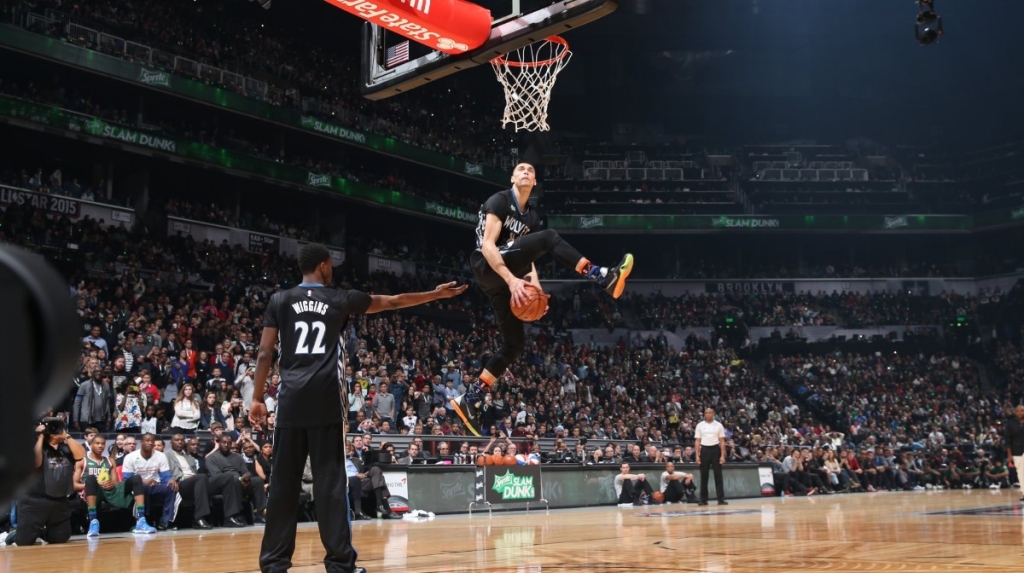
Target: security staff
(710,446)
(1013,435)
(46,506)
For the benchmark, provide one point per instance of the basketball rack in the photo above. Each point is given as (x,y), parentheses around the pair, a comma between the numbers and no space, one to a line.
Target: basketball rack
(508,34)
(490,513)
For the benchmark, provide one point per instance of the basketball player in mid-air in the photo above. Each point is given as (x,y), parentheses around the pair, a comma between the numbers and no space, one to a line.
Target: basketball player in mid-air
(503,266)
(308,320)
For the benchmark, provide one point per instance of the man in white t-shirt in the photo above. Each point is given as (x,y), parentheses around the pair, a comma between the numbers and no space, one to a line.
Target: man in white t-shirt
(152,466)
(710,445)
(629,487)
(677,485)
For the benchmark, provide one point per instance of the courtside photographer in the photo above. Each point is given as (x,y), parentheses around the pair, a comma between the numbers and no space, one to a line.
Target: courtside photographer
(45,510)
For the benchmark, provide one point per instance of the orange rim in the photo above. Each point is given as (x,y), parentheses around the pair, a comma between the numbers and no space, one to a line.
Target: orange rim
(502,61)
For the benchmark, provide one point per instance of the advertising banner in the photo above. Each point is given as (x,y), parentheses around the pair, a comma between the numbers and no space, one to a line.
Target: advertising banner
(41,201)
(512,484)
(748,287)
(449,26)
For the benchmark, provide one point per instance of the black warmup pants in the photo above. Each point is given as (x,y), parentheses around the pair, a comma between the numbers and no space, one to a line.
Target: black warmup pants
(631,491)
(325,446)
(518,256)
(36,513)
(711,458)
(674,491)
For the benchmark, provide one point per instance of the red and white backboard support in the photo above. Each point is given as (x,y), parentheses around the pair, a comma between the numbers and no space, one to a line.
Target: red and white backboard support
(509,32)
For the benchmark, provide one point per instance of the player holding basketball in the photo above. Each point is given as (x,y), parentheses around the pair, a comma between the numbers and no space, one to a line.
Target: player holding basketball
(503,265)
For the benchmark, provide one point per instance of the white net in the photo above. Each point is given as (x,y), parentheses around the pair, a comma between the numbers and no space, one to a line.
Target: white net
(528,75)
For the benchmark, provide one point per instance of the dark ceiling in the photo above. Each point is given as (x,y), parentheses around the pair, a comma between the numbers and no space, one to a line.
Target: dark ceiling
(765,70)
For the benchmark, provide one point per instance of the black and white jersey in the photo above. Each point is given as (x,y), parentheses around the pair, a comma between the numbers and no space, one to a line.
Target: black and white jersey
(309,320)
(514,222)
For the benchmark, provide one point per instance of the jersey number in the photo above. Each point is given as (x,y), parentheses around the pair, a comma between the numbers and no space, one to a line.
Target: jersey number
(319,329)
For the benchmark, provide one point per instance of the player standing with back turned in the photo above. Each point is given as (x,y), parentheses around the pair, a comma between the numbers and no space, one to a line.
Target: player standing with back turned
(308,320)
(503,266)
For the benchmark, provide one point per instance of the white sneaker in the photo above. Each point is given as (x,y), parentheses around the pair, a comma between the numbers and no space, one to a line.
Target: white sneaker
(940,487)
(968,487)
(929,486)
(994,486)
(918,488)
(3,539)
(625,505)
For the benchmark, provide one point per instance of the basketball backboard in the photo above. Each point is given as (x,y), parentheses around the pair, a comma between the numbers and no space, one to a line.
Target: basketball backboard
(515,23)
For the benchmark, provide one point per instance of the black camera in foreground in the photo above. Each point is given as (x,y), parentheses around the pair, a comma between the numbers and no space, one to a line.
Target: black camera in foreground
(39,347)
(53,426)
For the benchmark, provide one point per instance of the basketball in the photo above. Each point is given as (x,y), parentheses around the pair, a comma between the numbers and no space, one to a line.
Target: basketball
(533,460)
(658,497)
(497,459)
(510,460)
(483,460)
(521,460)
(534,308)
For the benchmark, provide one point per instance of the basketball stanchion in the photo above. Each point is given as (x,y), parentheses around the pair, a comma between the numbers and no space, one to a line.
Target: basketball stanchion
(507,484)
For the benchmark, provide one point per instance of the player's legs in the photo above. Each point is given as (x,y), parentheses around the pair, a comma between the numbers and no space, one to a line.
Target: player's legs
(513,340)
(673,491)
(290,450)
(528,248)
(327,457)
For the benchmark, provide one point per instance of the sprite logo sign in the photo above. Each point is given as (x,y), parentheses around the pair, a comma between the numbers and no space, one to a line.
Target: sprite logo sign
(724,222)
(318,180)
(895,222)
(1017,214)
(513,488)
(154,78)
(474,169)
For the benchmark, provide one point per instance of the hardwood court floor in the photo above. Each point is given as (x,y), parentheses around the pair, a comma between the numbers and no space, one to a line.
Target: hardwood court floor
(977,531)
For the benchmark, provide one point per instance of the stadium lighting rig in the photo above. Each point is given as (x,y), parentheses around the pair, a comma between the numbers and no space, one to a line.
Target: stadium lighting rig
(928,28)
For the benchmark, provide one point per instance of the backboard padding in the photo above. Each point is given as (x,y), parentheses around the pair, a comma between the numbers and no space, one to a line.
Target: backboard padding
(508,34)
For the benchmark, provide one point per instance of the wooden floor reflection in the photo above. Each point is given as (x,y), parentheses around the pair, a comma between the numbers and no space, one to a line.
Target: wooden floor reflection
(979,531)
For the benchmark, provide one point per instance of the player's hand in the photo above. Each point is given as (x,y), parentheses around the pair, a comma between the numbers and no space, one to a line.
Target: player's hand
(257,413)
(519,287)
(108,485)
(722,461)
(448,290)
(173,485)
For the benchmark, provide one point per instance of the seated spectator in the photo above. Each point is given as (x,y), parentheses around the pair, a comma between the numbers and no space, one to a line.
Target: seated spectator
(631,489)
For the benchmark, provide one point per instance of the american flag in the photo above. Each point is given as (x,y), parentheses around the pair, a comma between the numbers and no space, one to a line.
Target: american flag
(397,54)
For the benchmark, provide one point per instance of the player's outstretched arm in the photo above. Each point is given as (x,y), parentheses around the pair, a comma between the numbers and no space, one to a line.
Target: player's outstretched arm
(382,302)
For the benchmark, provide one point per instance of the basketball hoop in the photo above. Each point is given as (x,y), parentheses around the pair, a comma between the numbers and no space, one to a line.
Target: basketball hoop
(528,79)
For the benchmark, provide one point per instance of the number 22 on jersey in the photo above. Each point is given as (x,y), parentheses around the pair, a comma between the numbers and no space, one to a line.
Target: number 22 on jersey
(319,329)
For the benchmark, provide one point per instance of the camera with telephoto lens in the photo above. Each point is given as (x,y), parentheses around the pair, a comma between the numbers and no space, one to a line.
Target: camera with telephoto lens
(53,426)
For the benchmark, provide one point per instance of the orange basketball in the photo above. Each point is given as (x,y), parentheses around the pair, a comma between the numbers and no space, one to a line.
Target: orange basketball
(535,306)
(497,459)
(483,460)
(510,460)
(658,497)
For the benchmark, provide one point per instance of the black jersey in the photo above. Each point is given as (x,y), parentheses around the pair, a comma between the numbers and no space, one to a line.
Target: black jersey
(309,320)
(514,222)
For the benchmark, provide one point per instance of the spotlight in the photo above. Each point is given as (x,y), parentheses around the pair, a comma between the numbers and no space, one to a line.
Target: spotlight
(928,27)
